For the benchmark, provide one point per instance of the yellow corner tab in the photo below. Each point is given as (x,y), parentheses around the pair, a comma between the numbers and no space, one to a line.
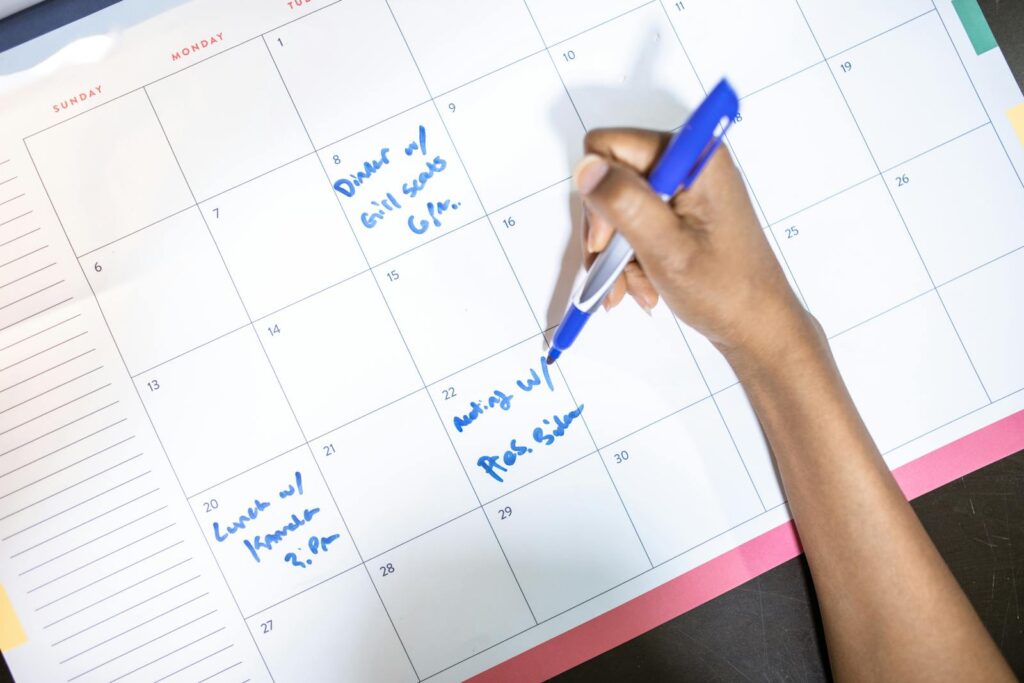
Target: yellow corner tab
(11,633)
(1017,119)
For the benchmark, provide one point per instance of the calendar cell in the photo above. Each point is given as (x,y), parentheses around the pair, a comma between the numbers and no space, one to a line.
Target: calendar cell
(511,419)
(454,311)
(353,639)
(210,428)
(122,145)
(394,474)
(907,372)
(990,338)
(473,601)
(852,256)
(686,493)
(540,235)
(630,72)
(563,548)
(630,369)
(401,183)
(754,43)
(713,366)
(561,19)
(818,137)
(276,522)
(746,432)
(967,183)
(455,42)
(164,290)
(283,237)
(218,152)
(916,72)
(338,355)
(840,26)
(347,67)
(522,116)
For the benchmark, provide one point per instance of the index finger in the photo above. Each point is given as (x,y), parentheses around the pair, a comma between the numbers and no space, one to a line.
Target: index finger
(633,147)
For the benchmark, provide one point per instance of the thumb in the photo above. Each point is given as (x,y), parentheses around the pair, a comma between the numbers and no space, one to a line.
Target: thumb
(625,200)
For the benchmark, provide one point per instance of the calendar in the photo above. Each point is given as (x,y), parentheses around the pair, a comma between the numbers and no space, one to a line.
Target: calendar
(277,279)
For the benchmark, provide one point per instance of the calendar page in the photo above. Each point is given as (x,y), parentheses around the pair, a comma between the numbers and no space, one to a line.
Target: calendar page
(276,280)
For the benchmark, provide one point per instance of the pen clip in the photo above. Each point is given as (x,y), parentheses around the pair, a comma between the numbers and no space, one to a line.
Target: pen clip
(692,147)
(709,149)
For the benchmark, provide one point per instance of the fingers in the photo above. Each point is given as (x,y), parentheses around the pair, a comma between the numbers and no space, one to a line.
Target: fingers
(635,283)
(719,187)
(638,149)
(619,196)
(616,294)
(599,233)
(639,287)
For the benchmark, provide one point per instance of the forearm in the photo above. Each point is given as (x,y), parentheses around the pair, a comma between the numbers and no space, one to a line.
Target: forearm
(891,608)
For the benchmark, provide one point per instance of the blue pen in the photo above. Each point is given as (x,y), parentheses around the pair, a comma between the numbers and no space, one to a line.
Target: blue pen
(678,167)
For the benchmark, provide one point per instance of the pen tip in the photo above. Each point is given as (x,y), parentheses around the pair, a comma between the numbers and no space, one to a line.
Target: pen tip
(553,355)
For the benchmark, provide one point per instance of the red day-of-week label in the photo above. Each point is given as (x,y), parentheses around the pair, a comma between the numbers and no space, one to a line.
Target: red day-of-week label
(197,46)
(78,98)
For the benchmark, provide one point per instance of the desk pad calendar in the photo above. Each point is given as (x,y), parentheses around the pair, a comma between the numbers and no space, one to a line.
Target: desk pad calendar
(275,280)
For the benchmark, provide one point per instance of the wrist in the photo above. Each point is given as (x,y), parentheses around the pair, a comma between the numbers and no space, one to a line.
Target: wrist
(789,344)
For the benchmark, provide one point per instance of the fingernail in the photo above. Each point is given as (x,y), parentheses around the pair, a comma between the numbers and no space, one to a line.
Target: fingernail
(589,173)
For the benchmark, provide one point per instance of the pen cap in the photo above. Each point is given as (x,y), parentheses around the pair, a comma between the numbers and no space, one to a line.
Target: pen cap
(570,328)
(692,147)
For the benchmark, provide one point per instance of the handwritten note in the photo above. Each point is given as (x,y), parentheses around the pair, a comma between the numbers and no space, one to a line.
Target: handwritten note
(261,532)
(379,191)
(545,434)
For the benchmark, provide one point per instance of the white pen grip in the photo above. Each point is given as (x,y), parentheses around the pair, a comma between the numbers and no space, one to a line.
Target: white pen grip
(602,275)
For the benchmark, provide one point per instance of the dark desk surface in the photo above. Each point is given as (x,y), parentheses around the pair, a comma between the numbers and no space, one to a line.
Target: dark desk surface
(769,629)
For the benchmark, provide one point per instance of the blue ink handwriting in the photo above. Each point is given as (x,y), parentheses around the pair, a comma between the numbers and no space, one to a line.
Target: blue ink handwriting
(257,542)
(419,220)
(490,463)
(502,399)
(250,515)
(347,186)
(268,541)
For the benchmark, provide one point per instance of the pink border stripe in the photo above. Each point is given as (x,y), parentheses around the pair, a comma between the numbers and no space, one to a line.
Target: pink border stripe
(741,564)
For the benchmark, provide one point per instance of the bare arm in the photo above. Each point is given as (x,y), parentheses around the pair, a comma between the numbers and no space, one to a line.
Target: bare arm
(891,608)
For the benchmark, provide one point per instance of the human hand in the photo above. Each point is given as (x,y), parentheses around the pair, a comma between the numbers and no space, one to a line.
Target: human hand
(704,252)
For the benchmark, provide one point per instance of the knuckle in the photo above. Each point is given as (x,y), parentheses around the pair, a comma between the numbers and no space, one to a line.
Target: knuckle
(593,139)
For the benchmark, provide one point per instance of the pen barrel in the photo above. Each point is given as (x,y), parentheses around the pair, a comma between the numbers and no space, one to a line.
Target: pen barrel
(692,147)
(602,275)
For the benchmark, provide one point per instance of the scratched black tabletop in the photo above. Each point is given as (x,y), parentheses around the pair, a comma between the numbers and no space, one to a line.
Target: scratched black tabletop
(769,629)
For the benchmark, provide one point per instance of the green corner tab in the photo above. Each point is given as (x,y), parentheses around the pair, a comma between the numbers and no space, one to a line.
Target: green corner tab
(976,25)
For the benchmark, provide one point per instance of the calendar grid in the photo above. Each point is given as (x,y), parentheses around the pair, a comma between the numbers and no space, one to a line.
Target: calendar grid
(892,198)
(489,216)
(280,385)
(419,373)
(718,408)
(515,275)
(561,374)
(540,622)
